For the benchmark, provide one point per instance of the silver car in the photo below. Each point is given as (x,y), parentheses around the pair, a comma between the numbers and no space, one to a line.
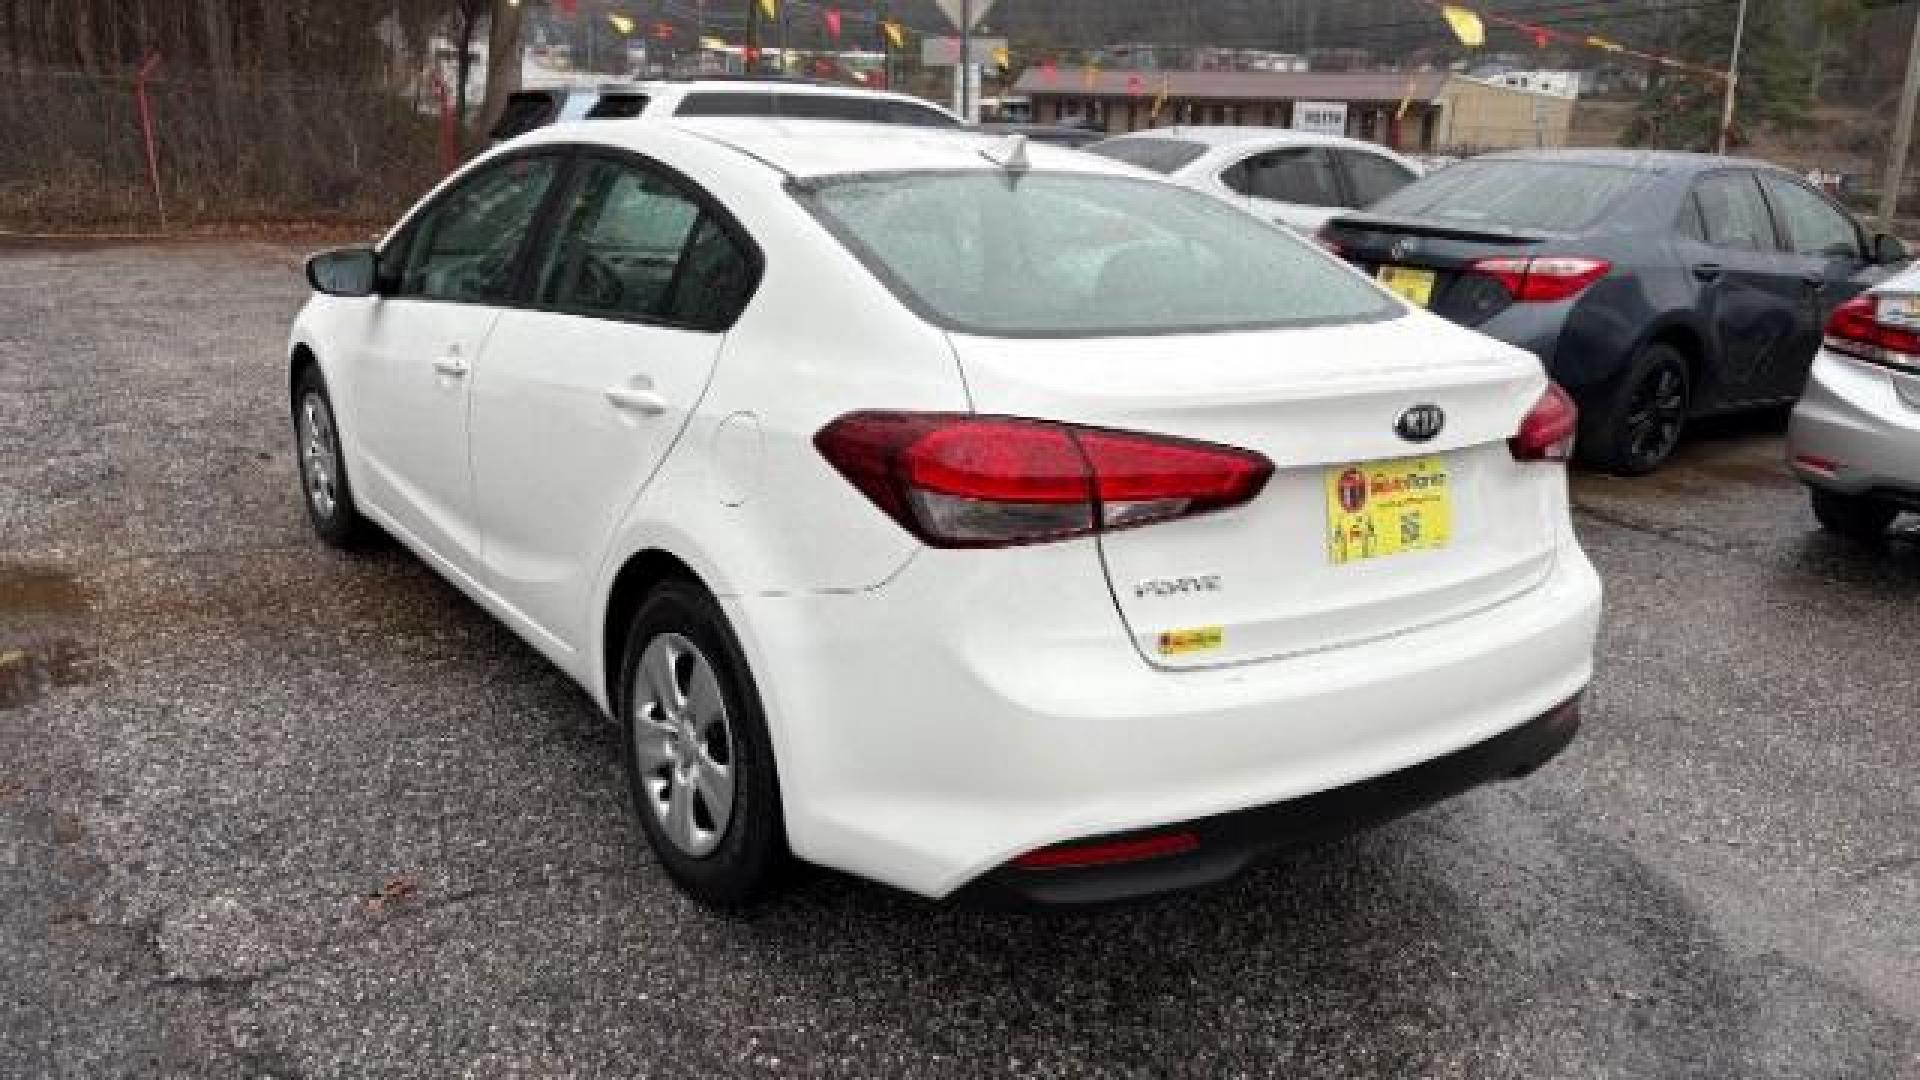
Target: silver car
(1855,439)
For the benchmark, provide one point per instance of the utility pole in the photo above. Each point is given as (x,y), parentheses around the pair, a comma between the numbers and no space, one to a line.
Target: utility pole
(965,71)
(1902,135)
(1733,76)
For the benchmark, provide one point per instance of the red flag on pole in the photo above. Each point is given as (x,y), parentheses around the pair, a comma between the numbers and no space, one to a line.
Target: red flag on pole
(1134,86)
(1050,70)
(831,17)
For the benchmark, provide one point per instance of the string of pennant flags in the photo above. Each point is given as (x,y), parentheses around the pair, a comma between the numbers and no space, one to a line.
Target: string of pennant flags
(1470,27)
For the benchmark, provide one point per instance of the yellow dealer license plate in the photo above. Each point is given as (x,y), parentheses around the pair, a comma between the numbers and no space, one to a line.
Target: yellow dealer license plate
(1381,508)
(1413,286)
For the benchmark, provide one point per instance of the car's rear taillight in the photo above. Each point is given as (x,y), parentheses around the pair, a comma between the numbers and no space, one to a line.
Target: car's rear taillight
(1543,280)
(1547,431)
(957,481)
(1855,329)
(1329,242)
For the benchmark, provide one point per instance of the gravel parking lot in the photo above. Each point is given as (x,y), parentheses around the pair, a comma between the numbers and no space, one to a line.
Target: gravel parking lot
(269,810)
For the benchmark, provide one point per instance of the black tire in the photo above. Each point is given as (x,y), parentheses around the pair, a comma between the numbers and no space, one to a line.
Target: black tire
(334,516)
(1637,431)
(1855,517)
(749,860)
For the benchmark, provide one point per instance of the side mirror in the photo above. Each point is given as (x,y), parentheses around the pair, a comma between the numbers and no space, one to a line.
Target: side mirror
(348,271)
(1888,250)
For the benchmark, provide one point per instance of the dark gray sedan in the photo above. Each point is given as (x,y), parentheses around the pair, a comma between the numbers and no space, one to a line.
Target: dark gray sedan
(1656,287)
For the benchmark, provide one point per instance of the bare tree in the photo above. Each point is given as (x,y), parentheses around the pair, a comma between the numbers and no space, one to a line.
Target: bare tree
(503,64)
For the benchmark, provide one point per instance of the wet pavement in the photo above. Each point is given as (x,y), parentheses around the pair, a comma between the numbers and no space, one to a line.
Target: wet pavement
(266,809)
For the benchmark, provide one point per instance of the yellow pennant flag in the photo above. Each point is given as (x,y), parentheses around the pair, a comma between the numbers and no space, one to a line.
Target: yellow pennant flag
(1466,25)
(1089,74)
(1160,99)
(771,8)
(1001,58)
(714,43)
(1603,43)
(894,34)
(621,23)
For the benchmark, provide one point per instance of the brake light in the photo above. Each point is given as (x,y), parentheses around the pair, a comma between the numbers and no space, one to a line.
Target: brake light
(1547,431)
(1326,240)
(1855,330)
(1544,280)
(1066,856)
(957,480)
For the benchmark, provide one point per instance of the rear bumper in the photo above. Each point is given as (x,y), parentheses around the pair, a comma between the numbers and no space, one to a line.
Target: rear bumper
(1856,431)
(982,705)
(1228,844)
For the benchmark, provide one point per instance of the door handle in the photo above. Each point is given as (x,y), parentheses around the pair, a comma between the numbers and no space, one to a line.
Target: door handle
(452,365)
(634,399)
(1708,271)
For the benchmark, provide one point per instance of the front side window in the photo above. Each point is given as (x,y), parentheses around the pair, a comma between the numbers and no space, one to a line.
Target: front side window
(1372,176)
(1079,255)
(1732,212)
(1302,175)
(1814,226)
(631,244)
(466,247)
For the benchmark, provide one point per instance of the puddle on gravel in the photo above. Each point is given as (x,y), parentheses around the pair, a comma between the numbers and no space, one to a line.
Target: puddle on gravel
(38,607)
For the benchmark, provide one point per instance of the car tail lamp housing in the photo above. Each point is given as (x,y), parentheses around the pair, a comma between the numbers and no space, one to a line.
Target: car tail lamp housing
(1547,431)
(1855,329)
(957,480)
(1544,280)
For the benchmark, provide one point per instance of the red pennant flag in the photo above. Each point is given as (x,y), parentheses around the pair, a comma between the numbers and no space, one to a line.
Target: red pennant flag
(567,8)
(1050,70)
(751,54)
(663,31)
(1134,86)
(1541,36)
(831,17)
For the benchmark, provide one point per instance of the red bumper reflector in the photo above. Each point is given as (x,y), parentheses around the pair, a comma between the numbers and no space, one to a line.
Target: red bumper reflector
(1064,856)
(1817,464)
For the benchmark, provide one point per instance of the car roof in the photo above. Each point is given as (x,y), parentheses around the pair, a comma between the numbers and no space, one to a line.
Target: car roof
(1218,137)
(1661,161)
(810,148)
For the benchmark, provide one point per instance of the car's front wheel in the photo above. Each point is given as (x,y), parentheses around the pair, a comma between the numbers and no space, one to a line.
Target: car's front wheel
(323,468)
(1856,517)
(1640,428)
(699,762)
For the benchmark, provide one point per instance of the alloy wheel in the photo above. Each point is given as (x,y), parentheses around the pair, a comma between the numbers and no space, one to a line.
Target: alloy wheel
(319,461)
(683,744)
(1655,414)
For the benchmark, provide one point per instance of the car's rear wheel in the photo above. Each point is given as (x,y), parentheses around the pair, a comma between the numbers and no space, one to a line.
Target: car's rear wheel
(700,765)
(1641,427)
(1856,517)
(323,467)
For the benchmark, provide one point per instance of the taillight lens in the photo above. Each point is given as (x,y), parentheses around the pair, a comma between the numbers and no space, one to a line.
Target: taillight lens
(1855,330)
(1547,432)
(958,481)
(1544,280)
(1329,242)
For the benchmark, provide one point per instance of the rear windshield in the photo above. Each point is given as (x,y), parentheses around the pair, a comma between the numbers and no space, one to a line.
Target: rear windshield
(1075,255)
(1554,196)
(1160,155)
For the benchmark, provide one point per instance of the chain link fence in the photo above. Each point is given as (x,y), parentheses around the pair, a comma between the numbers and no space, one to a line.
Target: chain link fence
(227,153)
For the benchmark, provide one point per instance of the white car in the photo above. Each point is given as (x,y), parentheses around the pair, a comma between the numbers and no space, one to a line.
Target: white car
(657,99)
(962,514)
(1300,179)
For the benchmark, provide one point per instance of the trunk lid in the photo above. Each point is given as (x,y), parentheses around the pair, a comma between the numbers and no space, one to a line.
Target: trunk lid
(1371,241)
(1260,581)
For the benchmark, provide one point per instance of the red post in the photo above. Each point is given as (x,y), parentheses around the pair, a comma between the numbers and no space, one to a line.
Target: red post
(449,134)
(146,128)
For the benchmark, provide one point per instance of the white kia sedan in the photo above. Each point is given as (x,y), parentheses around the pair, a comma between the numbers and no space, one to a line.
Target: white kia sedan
(975,517)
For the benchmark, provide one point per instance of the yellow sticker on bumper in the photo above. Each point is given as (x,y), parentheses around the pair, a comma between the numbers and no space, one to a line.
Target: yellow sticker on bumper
(1198,639)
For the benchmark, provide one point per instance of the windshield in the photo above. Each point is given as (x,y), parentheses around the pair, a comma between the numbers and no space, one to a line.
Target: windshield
(1555,196)
(1079,255)
(1160,155)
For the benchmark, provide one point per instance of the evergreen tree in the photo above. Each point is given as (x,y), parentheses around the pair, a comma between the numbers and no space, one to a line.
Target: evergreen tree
(1681,110)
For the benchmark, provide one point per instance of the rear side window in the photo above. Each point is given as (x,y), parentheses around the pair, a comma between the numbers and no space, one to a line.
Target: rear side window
(1299,174)
(914,115)
(825,107)
(1732,213)
(618,106)
(1373,177)
(1553,196)
(525,111)
(1077,255)
(1160,155)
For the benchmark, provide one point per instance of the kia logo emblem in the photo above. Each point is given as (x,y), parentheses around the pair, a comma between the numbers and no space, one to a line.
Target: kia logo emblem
(1420,423)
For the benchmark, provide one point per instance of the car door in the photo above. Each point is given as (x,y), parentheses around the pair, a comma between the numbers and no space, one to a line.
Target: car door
(1370,177)
(1828,251)
(1749,298)
(449,273)
(1291,185)
(582,393)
